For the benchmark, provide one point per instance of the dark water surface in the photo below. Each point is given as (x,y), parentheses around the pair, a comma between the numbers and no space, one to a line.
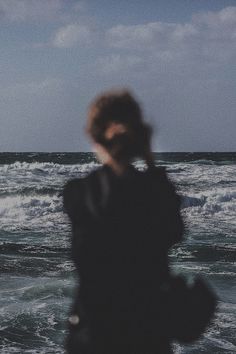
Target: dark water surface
(37,277)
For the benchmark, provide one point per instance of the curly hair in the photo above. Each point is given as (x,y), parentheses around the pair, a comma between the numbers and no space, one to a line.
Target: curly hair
(115,121)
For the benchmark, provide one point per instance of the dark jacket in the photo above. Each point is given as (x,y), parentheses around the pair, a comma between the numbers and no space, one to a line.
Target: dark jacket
(122,229)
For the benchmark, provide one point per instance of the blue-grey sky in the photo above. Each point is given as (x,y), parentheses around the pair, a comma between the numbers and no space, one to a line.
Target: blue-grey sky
(177,56)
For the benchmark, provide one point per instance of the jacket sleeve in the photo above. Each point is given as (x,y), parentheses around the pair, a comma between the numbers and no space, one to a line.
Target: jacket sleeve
(73,196)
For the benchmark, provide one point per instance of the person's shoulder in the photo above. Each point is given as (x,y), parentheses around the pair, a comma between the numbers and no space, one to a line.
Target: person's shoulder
(71,186)
(75,185)
(73,196)
(159,178)
(157,172)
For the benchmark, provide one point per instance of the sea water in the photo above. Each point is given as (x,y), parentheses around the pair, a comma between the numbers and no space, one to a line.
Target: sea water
(37,276)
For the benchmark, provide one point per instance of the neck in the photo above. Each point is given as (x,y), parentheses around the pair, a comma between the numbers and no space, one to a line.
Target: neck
(118,167)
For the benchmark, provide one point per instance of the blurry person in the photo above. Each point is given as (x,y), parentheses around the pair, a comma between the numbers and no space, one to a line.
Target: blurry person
(124,221)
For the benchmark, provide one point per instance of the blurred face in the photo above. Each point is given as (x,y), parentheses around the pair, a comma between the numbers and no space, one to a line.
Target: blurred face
(115,128)
(101,153)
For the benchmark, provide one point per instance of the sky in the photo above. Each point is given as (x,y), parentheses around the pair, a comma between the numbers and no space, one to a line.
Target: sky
(178,57)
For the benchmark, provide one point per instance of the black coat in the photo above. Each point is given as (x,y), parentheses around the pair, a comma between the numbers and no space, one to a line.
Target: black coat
(122,229)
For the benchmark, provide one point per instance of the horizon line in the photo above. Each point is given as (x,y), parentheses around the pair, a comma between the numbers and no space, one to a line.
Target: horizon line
(92,152)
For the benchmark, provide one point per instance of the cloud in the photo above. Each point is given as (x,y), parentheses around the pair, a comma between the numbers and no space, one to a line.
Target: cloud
(30,10)
(150,36)
(115,63)
(207,36)
(226,16)
(30,89)
(70,35)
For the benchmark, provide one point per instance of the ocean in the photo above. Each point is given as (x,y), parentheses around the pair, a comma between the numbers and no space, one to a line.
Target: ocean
(37,276)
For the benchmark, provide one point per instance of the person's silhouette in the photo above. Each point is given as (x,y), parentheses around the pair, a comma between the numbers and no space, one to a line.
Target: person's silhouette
(124,222)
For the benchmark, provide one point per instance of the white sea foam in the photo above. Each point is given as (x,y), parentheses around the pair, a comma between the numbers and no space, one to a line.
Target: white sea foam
(46,167)
(29,191)
(220,202)
(16,177)
(221,343)
(204,175)
(31,212)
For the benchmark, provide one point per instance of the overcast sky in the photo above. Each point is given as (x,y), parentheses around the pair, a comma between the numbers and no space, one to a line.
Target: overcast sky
(177,56)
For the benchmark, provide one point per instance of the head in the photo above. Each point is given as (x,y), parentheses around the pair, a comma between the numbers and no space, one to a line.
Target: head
(115,124)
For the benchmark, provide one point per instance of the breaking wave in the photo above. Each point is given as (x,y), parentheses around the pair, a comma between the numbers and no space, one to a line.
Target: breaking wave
(222,201)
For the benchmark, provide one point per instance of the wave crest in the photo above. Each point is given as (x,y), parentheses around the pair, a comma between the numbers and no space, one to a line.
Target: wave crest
(222,201)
